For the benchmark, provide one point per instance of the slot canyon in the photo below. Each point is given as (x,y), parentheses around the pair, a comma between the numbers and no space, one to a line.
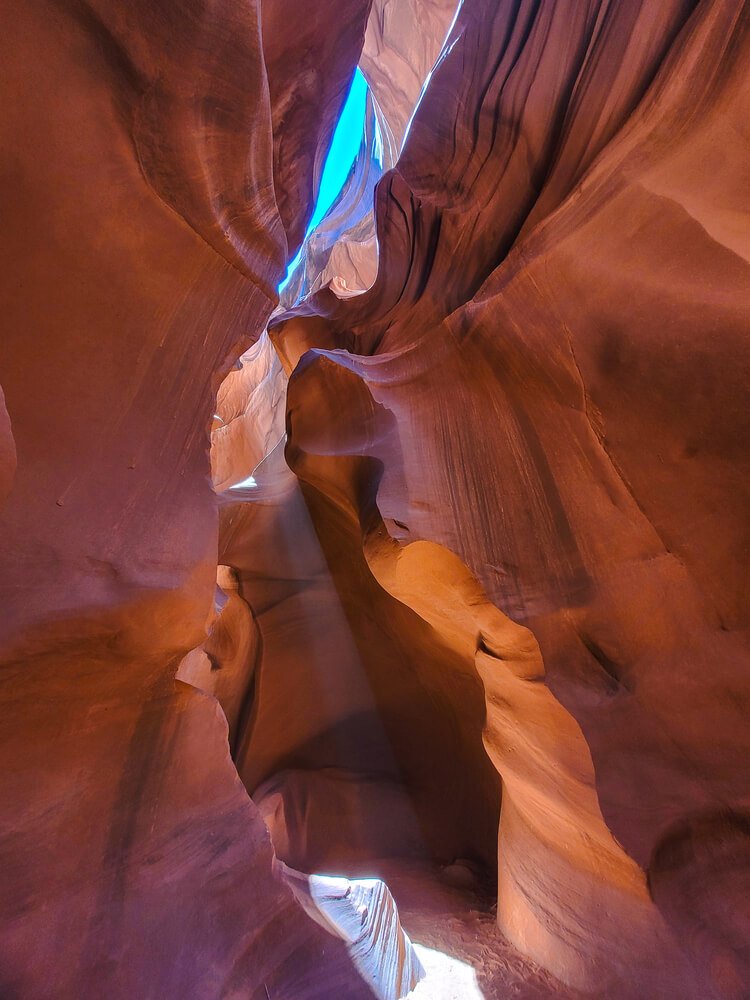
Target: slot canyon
(375,500)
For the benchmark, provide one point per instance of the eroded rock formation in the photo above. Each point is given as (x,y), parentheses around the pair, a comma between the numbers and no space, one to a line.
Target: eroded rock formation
(363,914)
(515,389)
(402,43)
(142,247)
(481,527)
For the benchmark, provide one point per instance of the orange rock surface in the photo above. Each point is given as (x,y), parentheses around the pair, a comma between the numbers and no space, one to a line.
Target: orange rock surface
(480,617)
(536,424)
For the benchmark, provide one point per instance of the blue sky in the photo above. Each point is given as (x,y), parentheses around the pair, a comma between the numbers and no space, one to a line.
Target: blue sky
(344,146)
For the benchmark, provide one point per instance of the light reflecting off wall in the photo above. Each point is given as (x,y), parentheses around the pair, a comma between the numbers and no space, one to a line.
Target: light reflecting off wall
(246,484)
(447,977)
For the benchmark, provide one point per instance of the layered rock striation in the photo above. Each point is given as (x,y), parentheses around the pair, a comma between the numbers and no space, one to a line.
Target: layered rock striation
(145,230)
(534,424)
(481,527)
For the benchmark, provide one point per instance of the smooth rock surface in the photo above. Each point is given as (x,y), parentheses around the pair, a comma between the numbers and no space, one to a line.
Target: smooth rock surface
(481,503)
(545,392)
(142,247)
(362,912)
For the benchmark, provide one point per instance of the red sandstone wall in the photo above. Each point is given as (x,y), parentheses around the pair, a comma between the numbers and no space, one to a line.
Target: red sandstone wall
(141,249)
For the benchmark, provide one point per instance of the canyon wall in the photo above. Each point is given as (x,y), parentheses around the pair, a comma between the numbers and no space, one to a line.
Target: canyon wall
(481,528)
(533,430)
(149,210)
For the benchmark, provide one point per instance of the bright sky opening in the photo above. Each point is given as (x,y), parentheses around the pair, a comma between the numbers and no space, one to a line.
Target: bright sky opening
(342,154)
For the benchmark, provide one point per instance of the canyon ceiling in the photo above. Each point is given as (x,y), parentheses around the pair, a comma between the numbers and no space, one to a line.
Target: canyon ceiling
(432,566)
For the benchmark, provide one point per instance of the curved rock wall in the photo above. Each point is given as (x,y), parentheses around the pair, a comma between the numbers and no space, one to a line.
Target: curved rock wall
(557,336)
(484,601)
(402,44)
(144,219)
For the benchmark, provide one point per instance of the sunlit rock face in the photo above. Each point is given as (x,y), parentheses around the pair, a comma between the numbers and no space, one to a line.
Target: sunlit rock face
(249,422)
(342,250)
(402,43)
(364,915)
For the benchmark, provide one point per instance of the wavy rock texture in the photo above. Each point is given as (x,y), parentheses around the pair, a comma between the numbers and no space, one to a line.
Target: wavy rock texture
(342,249)
(310,65)
(402,43)
(482,608)
(336,687)
(146,207)
(364,915)
(224,664)
(531,437)
(249,418)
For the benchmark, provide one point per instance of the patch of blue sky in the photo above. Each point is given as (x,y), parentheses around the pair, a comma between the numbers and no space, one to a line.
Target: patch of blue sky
(344,147)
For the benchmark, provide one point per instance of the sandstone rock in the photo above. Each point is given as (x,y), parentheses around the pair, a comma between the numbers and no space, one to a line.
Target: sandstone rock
(495,535)
(142,248)
(562,267)
(402,43)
